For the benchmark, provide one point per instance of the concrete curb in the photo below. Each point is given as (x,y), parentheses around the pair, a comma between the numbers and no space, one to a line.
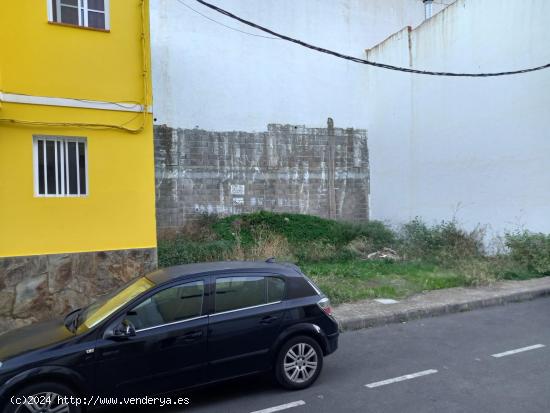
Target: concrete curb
(369,313)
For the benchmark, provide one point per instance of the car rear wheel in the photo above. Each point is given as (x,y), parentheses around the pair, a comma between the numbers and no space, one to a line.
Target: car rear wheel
(47,397)
(299,363)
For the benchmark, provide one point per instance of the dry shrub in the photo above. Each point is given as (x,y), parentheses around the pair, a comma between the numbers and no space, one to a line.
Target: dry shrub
(271,246)
(443,243)
(266,244)
(531,250)
(360,247)
(316,251)
(478,272)
(198,229)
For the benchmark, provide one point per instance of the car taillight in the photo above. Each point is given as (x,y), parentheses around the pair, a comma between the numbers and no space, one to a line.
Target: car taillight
(324,305)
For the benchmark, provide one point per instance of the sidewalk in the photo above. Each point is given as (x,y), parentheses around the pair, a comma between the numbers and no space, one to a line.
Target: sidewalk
(371,313)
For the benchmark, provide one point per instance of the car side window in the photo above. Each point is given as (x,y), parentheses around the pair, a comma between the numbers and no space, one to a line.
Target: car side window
(275,289)
(173,304)
(233,293)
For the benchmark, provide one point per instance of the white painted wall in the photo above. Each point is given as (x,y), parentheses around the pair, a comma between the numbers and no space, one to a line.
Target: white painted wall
(474,149)
(209,76)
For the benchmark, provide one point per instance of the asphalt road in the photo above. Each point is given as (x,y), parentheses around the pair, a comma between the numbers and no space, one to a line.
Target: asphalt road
(453,354)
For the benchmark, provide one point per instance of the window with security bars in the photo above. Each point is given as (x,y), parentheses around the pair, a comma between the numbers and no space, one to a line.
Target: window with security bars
(85,13)
(60,166)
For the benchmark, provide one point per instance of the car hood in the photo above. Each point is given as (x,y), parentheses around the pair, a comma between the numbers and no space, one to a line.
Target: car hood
(32,337)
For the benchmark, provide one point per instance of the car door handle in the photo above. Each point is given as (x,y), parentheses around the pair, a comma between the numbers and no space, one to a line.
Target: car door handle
(192,335)
(268,319)
(108,353)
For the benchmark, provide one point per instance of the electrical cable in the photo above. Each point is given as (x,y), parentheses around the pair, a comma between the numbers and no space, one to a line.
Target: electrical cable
(224,25)
(364,61)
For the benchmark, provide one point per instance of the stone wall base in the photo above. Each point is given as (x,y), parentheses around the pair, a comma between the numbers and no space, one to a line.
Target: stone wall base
(40,287)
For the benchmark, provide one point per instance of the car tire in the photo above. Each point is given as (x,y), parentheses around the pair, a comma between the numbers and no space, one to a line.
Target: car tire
(299,363)
(39,391)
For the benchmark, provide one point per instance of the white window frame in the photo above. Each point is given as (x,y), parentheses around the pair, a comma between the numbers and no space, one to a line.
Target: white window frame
(83,10)
(60,192)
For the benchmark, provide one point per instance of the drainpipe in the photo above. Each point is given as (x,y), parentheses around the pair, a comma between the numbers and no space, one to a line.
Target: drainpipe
(428,8)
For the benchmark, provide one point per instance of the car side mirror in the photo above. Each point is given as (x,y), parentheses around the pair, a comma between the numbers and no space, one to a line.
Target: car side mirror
(123,330)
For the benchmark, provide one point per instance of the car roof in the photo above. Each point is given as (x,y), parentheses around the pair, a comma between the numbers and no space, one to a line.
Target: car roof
(190,270)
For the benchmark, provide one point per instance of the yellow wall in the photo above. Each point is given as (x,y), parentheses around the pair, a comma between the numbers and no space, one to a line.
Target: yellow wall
(41,59)
(45,59)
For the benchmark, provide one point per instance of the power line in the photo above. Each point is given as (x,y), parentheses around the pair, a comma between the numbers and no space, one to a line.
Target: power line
(363,61)
(224,25)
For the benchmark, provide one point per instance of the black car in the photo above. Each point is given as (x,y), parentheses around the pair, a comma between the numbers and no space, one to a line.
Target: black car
(172,329)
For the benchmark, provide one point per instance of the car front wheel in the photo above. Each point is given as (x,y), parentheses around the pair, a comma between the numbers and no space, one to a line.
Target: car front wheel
(299,363)
(47,397)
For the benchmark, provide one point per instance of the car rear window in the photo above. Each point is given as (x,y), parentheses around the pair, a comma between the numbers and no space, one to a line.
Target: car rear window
(299,287)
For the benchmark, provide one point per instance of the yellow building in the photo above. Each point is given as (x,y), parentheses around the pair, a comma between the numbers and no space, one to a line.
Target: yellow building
(77,207)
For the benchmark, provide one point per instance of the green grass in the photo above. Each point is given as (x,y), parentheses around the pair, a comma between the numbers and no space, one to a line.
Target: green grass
(353,280)
(182,251)
(333,252)
(300,229)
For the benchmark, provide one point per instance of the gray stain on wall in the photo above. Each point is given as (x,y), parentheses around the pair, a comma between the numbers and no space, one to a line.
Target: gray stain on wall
(288,168)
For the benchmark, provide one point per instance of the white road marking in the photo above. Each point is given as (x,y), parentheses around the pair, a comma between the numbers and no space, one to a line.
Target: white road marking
(281,407)
(386,301)
(518,350)
(401,378)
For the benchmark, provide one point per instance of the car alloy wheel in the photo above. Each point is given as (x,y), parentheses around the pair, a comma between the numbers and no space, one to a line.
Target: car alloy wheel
(300,363)
(46,402)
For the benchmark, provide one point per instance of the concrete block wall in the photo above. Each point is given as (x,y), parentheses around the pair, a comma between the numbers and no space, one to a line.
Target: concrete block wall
(288,168)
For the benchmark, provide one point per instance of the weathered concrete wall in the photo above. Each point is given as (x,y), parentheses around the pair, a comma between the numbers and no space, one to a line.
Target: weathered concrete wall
(473,148)
(209,76)
(321,171)
(35,288)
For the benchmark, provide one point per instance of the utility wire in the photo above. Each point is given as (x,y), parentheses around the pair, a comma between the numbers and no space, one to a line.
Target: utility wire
(224,25)
(363,61)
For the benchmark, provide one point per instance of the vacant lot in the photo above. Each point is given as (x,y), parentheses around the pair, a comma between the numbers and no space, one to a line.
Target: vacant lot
(336,254)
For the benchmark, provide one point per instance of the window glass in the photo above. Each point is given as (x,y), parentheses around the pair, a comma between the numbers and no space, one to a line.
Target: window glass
(71,157)
(87,13)
(69,15)
(60,166)
(299,287)
(96,4)
(239,292)
(50,167)
(41,180)
(60,162)
(168,306)
(275,289)
(103,308)
(53,6)
(82,167)
(96,20)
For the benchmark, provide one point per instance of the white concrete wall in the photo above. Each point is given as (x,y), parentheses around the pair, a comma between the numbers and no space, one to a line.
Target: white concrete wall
(474,149)
(209,76)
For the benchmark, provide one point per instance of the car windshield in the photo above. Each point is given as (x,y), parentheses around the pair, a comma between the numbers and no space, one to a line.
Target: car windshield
(107,305)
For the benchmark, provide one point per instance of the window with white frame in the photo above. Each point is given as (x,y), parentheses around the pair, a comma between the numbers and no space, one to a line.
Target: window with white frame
(60,166)
(86,13)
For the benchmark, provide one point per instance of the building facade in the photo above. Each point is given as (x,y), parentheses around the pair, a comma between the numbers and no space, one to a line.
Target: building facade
(472,149)
(77,207)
